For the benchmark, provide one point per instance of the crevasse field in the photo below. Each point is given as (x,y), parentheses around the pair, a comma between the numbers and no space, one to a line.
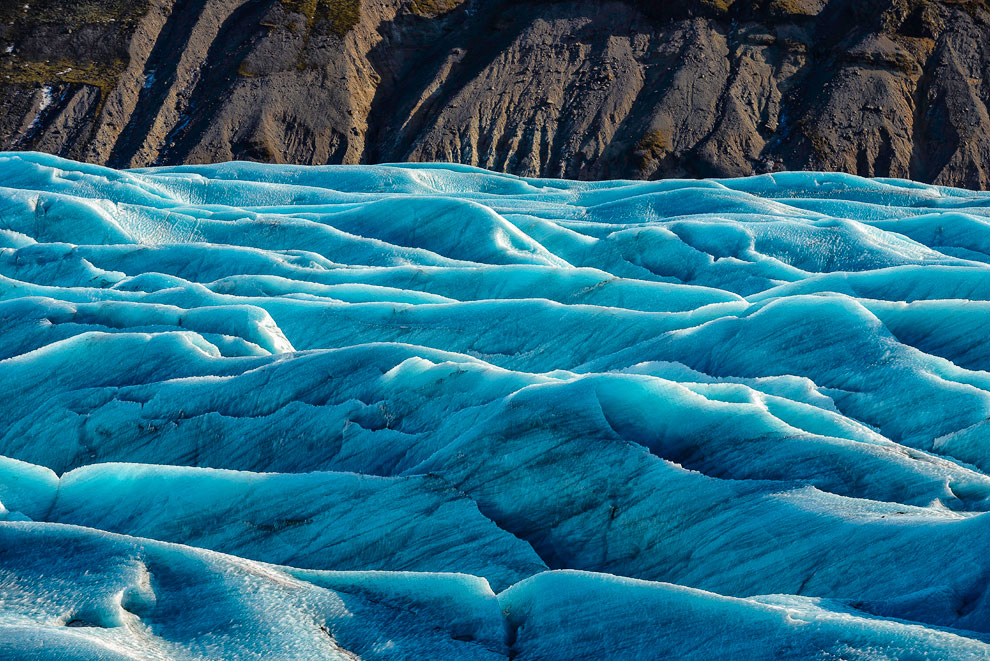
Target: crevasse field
(430,412)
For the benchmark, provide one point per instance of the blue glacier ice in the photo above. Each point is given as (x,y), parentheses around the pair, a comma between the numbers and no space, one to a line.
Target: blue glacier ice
(433,412)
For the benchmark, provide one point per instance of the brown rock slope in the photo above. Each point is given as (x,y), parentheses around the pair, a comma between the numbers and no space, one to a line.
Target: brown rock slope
(580,89)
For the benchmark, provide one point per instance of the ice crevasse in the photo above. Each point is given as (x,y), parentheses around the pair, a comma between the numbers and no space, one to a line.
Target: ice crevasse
(429,411)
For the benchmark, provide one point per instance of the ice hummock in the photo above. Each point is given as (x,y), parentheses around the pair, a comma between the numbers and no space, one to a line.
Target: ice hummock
(428,411)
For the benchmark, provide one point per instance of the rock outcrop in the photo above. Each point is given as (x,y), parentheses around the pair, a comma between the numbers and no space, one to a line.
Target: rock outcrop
(580,89)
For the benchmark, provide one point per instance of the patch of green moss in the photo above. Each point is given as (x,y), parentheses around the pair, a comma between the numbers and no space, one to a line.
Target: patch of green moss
(720,6)
(972,7)
(305,7)
(114,18)
(914,18)
(652,147)
(257,149)
(73,13)
(788,8)
(340,16)
(245,72)
(433,8)
(668,9)
(103,75)
(819,145)
(901,61)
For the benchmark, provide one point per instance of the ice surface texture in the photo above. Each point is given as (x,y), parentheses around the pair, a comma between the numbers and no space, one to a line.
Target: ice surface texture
(432,412)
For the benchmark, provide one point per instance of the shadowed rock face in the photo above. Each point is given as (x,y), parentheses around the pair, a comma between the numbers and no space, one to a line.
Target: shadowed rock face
(576,89)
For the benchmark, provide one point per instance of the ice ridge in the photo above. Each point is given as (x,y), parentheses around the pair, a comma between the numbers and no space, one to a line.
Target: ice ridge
(429,411)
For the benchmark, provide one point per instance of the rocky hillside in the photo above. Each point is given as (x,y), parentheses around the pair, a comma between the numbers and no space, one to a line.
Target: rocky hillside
(582,89)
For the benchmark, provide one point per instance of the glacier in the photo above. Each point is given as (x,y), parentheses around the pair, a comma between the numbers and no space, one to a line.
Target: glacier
(428,411)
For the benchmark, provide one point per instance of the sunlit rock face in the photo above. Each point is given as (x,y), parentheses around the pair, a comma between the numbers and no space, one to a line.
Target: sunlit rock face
(413,411)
